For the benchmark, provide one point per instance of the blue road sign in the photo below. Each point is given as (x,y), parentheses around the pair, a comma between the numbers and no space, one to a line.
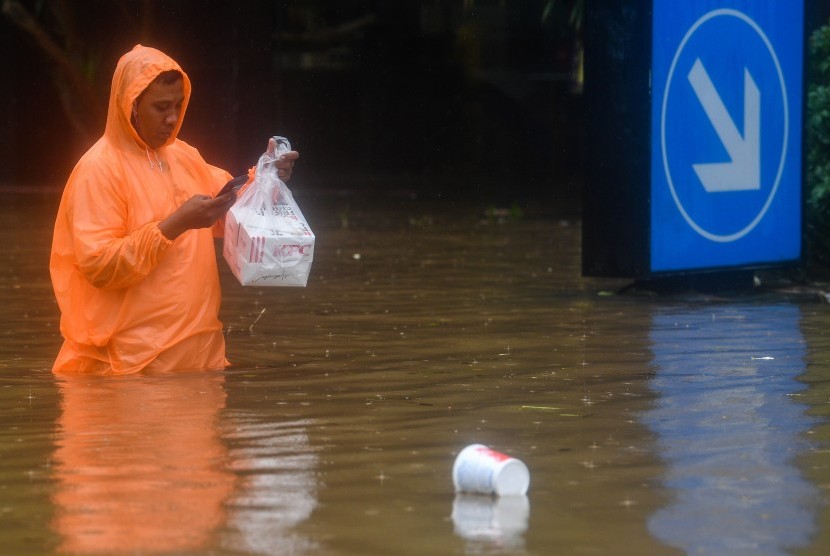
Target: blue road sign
(727,86)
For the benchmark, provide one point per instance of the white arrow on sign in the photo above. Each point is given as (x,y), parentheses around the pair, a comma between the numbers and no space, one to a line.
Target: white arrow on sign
(743,172)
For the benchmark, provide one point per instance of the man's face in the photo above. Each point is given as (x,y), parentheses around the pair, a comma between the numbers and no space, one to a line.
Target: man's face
(158,110)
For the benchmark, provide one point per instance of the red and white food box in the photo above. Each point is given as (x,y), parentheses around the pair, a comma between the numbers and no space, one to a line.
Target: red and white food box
(271,246)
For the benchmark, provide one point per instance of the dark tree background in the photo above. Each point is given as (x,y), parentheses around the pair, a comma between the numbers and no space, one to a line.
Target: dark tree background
(478,98)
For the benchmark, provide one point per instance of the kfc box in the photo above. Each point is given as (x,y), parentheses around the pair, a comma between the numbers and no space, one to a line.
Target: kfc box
(268,245)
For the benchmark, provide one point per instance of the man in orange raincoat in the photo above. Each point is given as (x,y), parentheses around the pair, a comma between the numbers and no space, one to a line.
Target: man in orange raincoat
(133,263)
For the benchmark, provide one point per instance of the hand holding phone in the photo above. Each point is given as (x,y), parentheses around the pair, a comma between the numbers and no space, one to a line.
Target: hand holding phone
(233,185)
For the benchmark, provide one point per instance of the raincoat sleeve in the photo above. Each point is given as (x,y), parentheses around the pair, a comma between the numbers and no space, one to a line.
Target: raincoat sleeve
(110,254)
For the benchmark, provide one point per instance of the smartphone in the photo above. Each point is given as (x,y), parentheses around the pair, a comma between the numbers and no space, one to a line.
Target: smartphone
(233,185)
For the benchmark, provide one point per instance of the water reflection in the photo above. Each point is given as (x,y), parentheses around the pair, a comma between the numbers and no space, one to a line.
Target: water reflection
(277,487)
(139,464)
(728,430)
(490,520)
(157,464)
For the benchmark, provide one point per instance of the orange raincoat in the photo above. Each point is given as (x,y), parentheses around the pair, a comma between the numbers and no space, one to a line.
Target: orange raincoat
(131,299)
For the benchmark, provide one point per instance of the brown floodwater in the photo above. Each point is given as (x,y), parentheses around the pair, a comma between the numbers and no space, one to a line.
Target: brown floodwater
(650,424)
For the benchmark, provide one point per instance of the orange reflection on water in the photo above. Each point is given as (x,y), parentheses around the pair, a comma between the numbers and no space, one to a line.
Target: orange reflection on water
(139,463)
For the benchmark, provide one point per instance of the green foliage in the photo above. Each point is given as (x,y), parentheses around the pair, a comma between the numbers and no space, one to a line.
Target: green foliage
(817,233)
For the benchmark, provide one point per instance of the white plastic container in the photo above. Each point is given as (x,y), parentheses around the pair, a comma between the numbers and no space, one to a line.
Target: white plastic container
(479,469)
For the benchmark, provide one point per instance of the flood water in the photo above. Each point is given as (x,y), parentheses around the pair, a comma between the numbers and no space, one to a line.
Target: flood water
(650,424)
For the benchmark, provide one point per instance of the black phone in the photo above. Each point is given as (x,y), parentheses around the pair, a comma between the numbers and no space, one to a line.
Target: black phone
(233,185)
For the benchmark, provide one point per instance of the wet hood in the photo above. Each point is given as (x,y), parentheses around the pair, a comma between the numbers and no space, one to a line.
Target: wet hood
(134,72)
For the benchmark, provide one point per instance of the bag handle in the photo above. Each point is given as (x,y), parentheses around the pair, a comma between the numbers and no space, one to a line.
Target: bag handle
(270,189)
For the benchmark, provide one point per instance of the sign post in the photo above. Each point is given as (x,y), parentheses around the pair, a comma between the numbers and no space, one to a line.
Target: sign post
(695,131)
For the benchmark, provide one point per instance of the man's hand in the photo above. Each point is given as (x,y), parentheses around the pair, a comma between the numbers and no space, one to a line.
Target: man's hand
(200,211)
(285,161)
(285,165)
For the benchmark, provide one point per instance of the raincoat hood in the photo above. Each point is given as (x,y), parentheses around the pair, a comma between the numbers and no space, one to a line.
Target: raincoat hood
(135,71)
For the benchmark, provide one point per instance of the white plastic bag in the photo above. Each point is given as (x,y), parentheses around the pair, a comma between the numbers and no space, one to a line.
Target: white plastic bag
(267,239)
